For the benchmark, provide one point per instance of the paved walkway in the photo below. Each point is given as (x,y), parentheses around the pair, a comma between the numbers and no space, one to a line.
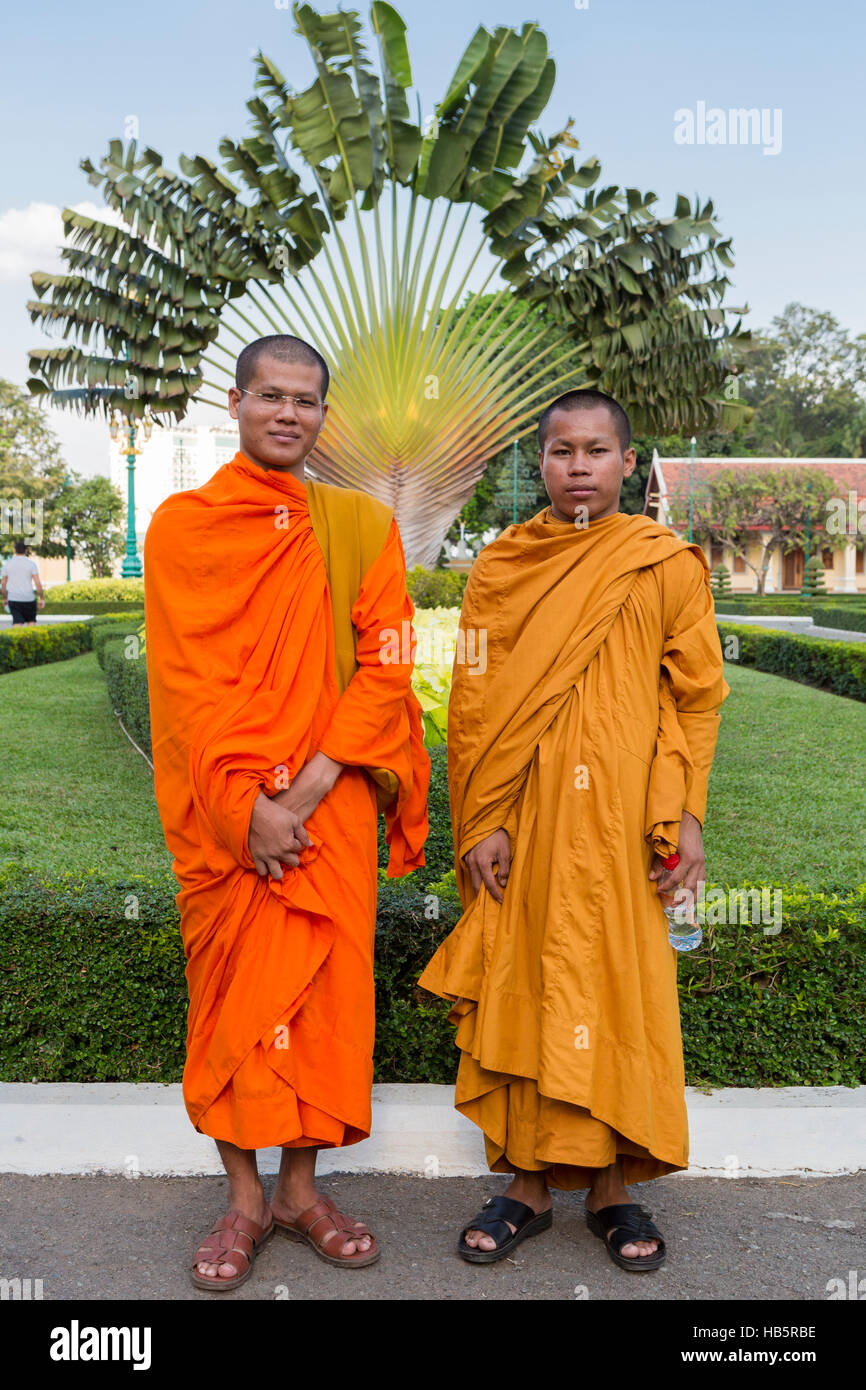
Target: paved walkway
(802,627)
(739,1239)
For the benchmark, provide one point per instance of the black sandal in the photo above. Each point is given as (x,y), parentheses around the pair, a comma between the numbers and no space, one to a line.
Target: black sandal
(491,1222)
(627,1222)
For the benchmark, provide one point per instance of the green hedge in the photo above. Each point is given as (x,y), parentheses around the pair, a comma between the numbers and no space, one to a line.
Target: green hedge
(435,588)
(94,987)
(827,664)
(21,647)
(91,609)
(840,615)
(113,625)
(96,590)
(126,678)
(439,849)
(783,605)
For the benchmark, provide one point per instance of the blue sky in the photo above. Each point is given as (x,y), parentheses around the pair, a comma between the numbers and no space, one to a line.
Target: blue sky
(71,74)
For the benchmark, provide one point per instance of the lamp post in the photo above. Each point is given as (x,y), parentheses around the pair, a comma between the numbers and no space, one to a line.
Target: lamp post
(691,484)
(124,428)
(68,542)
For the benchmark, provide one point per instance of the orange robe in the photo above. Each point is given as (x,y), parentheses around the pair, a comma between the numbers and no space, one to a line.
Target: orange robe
(251,670)
(591,729)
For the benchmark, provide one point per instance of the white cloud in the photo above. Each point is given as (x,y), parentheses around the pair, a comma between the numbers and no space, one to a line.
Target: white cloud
(31,237)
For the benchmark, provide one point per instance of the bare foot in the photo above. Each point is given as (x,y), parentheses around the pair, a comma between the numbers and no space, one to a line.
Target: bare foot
(614,1196)
(532,1192)
(287,1203)
(256,1210)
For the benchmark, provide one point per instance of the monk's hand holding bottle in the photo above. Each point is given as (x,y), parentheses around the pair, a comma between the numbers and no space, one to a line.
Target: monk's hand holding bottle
(691,868)
(479,860)
(276,836)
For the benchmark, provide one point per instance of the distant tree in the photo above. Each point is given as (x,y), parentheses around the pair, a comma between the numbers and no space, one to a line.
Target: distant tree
(735,508)
(31,467)
(806,379)
(93,509)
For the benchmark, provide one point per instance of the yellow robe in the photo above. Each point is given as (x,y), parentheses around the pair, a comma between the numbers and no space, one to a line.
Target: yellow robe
(592,727)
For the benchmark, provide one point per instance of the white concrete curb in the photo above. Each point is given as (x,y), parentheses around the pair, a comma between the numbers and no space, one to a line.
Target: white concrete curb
(143,1131)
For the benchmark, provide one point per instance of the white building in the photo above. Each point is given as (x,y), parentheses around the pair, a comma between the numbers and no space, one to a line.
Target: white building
(174,459)
(844,566)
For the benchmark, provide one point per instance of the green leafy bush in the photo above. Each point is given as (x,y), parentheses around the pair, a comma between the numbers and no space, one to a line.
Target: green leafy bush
(114,625)
(840,615)
(94,986)
(91,590)
(439,849)
(126,676)
(435,588)
(21,646)
(100,608)
(829,665)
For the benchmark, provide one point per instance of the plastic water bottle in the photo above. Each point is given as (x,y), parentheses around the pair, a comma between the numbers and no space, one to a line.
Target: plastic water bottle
(682,934)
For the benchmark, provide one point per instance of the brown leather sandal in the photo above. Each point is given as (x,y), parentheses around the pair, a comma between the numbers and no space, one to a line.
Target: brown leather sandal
(335,1223)
(235,1239)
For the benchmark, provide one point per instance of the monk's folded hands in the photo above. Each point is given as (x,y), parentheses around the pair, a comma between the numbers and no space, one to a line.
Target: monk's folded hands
(276,837)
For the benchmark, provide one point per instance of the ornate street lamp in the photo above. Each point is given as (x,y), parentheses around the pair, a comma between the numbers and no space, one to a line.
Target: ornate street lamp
(123,428)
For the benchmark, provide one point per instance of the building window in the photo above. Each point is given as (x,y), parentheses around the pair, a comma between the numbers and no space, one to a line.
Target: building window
(858,561)
(225,448)
(739,564)
(183,463)
(717,555)
(827,557)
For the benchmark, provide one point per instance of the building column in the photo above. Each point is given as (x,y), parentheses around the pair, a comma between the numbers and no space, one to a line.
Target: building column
(848,582)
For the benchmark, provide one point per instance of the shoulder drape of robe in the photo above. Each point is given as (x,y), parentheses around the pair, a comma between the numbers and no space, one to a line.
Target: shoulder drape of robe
(252,668)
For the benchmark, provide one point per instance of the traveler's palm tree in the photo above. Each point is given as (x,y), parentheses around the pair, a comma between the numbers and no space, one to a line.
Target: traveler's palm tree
(344,220)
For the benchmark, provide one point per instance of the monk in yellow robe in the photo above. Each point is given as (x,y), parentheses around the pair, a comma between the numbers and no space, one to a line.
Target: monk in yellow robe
(578,758)
(278,736)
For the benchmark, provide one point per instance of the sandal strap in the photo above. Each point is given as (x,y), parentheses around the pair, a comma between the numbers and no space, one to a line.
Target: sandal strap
(233,1235)
(326,1210)
(493,1217)
(628,1222)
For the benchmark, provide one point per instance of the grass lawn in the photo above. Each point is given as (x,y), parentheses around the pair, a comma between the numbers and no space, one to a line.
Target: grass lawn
(76,795)
(786,789)
(785,802)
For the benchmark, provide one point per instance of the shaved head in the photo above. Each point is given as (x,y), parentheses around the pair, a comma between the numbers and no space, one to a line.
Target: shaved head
(588,400)
(283,348)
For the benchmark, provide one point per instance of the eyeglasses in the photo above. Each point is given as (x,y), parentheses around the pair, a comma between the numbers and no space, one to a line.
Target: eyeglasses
(275,398)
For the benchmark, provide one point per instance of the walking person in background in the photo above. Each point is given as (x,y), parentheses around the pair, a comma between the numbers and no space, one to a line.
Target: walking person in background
(20,578)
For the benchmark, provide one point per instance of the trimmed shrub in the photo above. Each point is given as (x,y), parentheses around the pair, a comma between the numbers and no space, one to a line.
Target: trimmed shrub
(94,987)
(92,590)
(829,665)
(111,626)
(21,647)
(92,609)
(435,588)
(840,615)
(126,677)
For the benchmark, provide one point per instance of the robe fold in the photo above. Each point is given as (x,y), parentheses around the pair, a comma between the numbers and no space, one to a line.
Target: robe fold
(265,604)
(587,733)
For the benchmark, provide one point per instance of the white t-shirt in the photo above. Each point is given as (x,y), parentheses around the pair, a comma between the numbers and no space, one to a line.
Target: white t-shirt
(19,572)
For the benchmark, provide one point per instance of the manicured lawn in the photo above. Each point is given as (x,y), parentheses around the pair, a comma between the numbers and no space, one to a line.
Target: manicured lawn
(76,795)
(786,789)
(785,804)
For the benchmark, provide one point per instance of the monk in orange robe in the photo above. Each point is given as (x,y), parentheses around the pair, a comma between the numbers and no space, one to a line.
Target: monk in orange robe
(278,736)
(578,758)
